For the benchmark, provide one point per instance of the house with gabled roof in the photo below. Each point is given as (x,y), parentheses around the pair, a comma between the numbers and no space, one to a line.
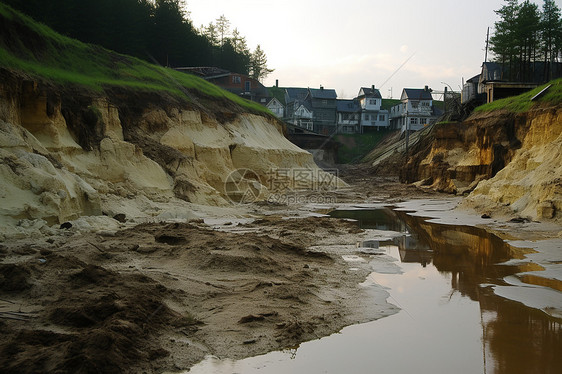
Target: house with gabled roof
(348,115)
(276,107)
(323,103)
(240,84)
(373,118)
(415,110)
(302,116)
(470,89)
(297,110)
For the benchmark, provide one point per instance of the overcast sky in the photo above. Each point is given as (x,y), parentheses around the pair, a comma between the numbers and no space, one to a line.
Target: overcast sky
(348,44)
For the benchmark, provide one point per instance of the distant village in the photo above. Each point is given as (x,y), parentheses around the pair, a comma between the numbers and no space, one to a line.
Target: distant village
(318,110)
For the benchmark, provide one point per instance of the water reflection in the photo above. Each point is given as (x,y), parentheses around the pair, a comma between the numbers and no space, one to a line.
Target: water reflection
(451,320)
(516,339)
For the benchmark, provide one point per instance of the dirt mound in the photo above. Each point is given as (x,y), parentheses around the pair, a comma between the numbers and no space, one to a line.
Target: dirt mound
(14,278)
(84,318)
(162,296)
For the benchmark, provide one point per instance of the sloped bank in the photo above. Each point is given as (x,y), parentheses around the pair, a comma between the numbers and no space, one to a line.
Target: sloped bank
(68,154)
(88,131)
(505,162)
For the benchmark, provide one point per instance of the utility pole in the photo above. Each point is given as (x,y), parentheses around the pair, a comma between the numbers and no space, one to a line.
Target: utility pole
(445,101)
(407,134)
(487,42)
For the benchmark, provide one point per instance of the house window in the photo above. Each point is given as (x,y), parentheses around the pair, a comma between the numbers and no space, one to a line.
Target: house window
(382,117)
(248,86)
(236,79)
(413,121)
(324,102)
(414,104)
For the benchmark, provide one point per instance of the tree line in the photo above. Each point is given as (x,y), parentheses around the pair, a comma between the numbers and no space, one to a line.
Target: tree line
(158,31)
(527,41)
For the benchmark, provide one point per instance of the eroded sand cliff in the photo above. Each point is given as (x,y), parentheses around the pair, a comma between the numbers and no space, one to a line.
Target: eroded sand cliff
(66,155)
(505,163)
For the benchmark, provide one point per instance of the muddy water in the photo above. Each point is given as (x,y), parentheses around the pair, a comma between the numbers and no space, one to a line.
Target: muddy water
(450,319)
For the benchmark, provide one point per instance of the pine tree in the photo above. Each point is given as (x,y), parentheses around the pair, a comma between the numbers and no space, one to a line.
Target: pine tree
(503,42)
(258,64)
(527,27)
(551,32)
(211,34)
(222,27)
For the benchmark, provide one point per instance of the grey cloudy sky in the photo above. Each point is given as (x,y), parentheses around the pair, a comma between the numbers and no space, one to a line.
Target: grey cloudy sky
(347,44)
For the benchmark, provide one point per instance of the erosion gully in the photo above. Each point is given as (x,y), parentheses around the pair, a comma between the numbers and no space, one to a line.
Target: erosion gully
(450,320)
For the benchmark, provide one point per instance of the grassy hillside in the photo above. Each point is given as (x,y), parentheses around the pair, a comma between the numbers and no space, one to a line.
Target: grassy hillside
(389,103)
(353,147)
(34,49)
(523,103)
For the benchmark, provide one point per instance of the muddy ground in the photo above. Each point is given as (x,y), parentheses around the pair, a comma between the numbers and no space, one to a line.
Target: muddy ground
(161,296)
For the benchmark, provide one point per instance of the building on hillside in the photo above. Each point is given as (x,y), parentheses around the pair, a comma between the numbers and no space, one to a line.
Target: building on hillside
(242,85)
(348,114)
(470,89)
(498,82)
(323,104)
(415,110)
(303,117)
(494,86)
(297,111)
(373,118)
(491,72)
(294,98)
(276,107)
(239,84)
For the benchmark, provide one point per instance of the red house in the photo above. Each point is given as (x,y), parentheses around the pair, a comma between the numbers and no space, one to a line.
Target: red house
(239,84)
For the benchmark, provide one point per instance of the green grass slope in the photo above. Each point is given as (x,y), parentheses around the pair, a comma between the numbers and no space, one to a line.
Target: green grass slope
(34,49)
(523,103)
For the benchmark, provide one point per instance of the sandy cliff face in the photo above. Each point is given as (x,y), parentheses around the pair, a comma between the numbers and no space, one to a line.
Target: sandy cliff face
(508,163)
(63,158)
(531,183)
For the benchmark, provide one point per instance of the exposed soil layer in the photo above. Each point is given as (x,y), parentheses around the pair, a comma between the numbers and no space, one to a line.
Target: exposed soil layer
(161,296)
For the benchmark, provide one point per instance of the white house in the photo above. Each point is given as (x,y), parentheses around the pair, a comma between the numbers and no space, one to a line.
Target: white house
(302,117)
(276,107)
(373,118)
(415,110)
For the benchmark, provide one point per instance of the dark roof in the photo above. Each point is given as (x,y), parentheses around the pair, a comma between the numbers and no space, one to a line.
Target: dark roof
(491,71)
(474,79)
(305,104)
(270,99)
(418,94)
(323,93)
(370,92)
(295,93)
(347,106)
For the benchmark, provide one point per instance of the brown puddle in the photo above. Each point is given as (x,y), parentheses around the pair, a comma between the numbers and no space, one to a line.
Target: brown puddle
(451,321)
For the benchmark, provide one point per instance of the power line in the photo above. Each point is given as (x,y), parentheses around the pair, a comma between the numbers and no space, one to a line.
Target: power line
(397,70)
